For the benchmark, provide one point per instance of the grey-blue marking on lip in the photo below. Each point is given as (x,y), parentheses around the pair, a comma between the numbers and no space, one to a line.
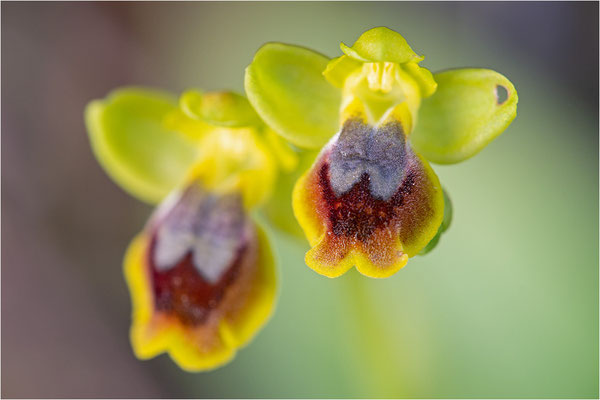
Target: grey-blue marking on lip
(213,228)
(379,151)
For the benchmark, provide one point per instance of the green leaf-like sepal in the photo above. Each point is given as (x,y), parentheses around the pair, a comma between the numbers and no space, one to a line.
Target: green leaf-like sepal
(219,108)
(470,108)
(379,45)
(130,140)
(286,87)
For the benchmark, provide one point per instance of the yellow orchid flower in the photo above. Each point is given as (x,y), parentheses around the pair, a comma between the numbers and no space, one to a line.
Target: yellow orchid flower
(201,274)
(371,199)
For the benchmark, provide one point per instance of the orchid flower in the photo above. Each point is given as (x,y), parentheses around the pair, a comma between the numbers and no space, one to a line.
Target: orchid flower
(371,198)
(201,273)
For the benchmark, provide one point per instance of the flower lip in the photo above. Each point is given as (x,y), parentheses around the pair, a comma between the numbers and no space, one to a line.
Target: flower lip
(379,152)
(358,212)
(183,292)
(368,201)
(197,250)
(198,312)
(211,228)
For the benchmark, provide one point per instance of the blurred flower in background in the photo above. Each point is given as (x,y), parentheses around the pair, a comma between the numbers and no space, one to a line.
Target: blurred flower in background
(201,275)
(505,307)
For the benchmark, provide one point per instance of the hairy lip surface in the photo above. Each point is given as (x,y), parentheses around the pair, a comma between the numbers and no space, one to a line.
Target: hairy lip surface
(369,201)
(379,152)
(357,213)
(182,291)
(200,246)
(211,227)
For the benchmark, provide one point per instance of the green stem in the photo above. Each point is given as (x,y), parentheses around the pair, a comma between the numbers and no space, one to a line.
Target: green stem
(374,345)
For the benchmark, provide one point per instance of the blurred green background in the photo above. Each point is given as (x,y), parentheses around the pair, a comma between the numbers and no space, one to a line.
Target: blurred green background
(506,306)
